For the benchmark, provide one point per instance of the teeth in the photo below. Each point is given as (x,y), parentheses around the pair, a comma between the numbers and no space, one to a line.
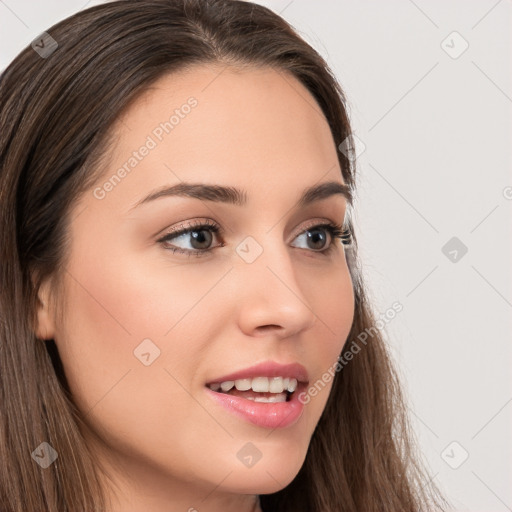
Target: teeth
(281,397)
(227,385)
(243,384)
(292,385)
(276,385)
(260,384)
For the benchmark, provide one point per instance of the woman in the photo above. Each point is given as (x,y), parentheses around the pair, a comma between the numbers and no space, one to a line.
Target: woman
(179,276)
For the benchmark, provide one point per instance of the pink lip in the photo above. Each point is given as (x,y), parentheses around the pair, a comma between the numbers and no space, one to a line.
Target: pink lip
(267,369)
(268,415)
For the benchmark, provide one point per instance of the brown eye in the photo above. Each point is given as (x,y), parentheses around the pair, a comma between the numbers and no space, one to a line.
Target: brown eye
(317,238)
(322,235)
(198,238)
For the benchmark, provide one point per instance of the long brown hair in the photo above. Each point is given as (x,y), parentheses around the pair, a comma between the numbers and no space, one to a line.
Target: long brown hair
(56,111)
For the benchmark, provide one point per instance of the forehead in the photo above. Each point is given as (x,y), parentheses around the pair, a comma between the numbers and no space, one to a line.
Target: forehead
(225,125)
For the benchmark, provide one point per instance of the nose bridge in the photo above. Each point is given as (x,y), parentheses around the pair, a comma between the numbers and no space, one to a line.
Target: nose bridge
(269,286)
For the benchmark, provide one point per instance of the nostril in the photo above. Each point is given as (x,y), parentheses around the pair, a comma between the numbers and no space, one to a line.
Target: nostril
(268,327)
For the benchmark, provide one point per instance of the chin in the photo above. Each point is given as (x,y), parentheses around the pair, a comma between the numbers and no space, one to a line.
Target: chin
(260,482)
(268,475)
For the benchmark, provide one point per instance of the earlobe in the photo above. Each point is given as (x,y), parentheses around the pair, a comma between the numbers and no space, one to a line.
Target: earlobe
(44,329)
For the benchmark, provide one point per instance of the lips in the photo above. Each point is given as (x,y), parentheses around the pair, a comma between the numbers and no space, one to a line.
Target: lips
(274,407)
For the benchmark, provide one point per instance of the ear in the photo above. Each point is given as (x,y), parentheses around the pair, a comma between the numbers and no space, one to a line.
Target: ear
(45,328)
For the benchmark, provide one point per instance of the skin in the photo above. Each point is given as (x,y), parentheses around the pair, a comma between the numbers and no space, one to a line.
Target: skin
(164,442)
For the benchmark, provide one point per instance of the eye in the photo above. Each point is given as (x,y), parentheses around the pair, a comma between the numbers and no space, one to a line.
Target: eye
(320,235)
(199,237)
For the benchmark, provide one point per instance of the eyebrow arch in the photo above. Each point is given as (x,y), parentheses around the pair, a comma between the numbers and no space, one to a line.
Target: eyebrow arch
(232,195)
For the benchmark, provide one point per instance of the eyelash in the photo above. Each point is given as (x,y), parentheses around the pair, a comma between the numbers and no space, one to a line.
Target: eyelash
(335,231)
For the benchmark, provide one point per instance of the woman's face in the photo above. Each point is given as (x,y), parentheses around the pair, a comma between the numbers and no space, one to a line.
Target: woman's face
(146,329)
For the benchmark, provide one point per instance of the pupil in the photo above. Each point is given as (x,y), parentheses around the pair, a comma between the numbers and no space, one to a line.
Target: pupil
(314,234)
(198,236)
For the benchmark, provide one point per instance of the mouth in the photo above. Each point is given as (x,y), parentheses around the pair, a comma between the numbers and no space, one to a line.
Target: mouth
(266,395)
(258,389)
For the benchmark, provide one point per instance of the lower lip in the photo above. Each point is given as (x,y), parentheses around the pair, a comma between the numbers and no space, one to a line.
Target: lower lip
(262,414)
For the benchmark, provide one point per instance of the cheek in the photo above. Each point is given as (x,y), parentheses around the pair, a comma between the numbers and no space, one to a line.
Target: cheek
(118,301)
(108,314)
(112,306)
(331,297)
(124,311)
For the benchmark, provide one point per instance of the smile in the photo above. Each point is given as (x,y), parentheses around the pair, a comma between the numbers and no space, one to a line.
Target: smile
(267,398)
(258,389)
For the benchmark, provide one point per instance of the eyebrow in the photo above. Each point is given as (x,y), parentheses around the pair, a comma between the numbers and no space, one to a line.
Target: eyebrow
(235,196)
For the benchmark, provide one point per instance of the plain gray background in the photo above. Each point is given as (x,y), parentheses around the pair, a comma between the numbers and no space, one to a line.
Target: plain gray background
(429,87)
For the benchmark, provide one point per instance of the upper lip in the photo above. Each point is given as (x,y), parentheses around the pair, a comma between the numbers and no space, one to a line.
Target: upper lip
(267,369)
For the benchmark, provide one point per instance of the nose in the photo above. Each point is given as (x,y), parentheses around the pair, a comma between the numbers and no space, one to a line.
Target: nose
(269,294)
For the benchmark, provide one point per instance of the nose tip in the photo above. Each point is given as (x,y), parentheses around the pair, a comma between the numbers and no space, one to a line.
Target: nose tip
(272,300)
